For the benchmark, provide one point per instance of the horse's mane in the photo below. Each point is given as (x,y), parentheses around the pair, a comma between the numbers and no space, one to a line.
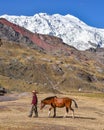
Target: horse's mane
(48,98)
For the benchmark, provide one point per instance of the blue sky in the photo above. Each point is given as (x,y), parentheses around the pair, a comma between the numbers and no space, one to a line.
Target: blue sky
(89,11)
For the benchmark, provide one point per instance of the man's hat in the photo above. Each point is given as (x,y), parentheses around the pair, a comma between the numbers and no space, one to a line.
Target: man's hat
(34,91)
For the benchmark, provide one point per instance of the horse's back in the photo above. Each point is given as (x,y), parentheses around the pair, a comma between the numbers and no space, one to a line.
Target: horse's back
(62,102)
(63,98)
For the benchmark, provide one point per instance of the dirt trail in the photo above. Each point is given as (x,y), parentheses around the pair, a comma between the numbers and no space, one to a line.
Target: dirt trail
(14,114)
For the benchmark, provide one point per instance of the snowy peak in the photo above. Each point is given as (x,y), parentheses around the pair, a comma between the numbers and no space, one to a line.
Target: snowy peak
(70,29)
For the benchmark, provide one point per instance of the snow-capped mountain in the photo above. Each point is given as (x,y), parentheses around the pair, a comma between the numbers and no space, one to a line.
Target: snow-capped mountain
(73,31)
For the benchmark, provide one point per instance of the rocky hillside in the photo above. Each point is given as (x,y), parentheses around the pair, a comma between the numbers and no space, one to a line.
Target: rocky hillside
(13,32)
(46,63)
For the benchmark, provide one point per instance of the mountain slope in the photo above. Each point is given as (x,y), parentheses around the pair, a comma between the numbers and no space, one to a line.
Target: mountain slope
(24,69)
(69,28)
(35,61)
(13,32)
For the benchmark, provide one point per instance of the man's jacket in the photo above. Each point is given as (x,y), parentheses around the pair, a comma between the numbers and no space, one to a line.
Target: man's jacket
(34,99)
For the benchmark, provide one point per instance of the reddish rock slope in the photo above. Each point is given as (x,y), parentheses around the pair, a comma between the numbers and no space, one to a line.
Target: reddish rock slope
(46,42)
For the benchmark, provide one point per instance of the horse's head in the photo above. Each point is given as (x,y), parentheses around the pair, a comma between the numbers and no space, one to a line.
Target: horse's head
(42,105)
(47,101)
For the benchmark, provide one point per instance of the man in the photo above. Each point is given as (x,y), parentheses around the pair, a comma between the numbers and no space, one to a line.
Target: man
(34,104)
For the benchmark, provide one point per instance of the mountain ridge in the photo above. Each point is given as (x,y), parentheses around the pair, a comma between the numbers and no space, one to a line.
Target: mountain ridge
(13,32)
(70,29)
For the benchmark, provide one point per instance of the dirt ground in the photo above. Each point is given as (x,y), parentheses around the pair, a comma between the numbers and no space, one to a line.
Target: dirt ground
(14,110)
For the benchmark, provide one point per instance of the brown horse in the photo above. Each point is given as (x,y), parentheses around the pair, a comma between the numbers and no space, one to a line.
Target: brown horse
(58,102)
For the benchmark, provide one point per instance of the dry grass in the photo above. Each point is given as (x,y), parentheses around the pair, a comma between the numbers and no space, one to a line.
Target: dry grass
(89,115)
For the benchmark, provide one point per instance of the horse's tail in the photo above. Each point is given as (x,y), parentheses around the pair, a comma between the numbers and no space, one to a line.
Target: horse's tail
(75,103)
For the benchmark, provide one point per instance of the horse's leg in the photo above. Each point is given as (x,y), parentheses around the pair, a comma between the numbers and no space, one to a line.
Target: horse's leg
(67,110)
(49,112)
(72,111)
(54,112)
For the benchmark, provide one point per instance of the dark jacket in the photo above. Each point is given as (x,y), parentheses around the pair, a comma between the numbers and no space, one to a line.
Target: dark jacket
(34,99)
